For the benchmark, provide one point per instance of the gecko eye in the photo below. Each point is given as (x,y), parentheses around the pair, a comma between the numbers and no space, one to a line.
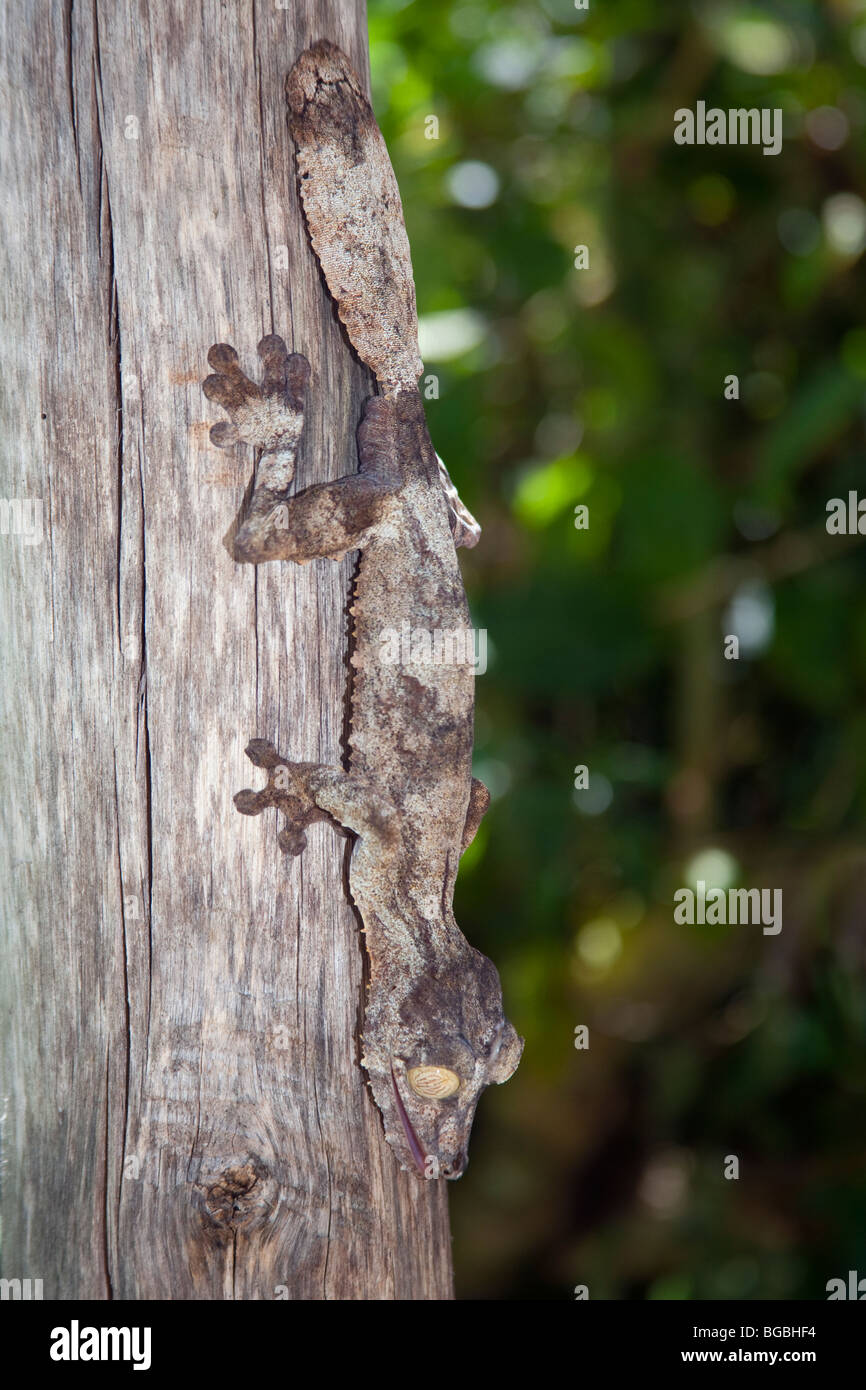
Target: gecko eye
(433,1083)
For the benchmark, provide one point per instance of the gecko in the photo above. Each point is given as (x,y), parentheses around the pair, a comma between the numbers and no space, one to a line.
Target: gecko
(434,1033)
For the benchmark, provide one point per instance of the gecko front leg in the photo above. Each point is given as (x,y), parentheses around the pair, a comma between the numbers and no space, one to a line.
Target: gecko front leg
(323,521)
(270,417)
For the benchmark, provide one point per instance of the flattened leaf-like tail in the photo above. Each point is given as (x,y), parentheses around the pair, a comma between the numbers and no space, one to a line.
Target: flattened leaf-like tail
(354,214)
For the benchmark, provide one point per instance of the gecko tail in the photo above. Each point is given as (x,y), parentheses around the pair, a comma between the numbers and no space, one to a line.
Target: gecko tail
(354,214)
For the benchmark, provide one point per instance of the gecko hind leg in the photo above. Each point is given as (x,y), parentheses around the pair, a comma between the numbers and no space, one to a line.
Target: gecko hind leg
(309,792)
(286,790)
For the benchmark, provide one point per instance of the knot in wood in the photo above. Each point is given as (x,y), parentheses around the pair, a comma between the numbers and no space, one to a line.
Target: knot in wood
(238,1196)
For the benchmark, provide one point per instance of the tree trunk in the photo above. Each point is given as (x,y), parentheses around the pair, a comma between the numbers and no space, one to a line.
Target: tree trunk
(185,1115)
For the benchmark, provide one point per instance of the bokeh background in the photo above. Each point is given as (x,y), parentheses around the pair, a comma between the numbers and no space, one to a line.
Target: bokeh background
(605,387)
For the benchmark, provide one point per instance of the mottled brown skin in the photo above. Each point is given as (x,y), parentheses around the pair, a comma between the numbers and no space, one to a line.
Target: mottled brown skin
(407,793)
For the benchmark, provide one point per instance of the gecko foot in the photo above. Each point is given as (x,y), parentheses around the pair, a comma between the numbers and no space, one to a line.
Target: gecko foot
(269,416)
(286,790)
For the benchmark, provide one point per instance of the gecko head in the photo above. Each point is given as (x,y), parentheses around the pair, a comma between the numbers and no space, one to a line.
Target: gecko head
(430,1054)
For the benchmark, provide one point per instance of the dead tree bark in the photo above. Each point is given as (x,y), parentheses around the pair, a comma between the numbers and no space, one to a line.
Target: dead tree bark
(185,1113)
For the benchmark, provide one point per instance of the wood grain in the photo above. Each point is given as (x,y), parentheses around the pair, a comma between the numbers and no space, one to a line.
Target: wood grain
(185,1115)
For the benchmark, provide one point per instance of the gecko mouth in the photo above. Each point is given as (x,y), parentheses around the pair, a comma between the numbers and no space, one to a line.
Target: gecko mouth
(411,1137)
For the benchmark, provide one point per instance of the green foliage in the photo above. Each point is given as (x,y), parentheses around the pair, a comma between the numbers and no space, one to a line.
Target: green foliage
(604,387)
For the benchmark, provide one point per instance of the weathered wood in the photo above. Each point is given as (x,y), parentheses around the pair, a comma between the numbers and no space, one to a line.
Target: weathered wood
(185,1113)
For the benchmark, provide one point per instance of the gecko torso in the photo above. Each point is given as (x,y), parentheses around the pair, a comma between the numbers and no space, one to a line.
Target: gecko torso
(434,1032)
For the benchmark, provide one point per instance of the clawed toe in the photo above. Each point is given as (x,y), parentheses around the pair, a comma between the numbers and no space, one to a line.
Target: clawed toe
(262,753)
(272,350)
(230,392)
(224,435)
(297,380)
(292,841)
(222,357)
(251,803)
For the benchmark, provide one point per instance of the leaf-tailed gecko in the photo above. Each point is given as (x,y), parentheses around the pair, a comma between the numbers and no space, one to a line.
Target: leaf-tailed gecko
(434,1031)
